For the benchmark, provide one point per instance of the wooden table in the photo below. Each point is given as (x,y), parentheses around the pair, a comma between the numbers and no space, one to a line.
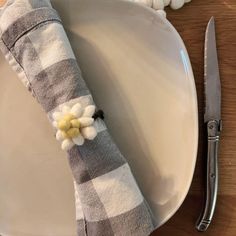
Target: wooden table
(190,22)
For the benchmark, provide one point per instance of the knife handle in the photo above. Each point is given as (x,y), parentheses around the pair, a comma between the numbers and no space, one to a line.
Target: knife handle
(213,131)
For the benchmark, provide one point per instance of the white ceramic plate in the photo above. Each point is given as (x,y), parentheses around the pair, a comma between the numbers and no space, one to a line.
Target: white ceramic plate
(139,73)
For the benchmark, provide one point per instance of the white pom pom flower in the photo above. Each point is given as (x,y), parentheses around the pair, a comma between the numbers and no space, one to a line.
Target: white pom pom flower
(74,124)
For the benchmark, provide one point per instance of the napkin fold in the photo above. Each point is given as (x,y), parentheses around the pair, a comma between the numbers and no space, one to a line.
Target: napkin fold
(108,199)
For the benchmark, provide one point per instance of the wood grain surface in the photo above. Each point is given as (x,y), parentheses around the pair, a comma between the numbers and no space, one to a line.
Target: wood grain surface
(191,22)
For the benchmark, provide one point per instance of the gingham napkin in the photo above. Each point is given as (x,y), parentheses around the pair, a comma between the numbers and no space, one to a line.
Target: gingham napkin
(108,200)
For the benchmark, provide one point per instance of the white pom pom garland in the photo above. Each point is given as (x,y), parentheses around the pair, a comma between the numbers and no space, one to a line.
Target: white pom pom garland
(159,5)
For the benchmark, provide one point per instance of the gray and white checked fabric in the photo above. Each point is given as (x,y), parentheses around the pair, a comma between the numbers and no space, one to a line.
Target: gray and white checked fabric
(108,200)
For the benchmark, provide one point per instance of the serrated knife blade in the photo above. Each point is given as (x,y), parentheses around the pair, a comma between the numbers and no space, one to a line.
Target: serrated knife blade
(211,75)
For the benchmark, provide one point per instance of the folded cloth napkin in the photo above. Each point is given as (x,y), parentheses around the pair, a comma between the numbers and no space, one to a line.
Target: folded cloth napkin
(108,200)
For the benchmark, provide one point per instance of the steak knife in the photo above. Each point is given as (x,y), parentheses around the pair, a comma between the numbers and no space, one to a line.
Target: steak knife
(212,118)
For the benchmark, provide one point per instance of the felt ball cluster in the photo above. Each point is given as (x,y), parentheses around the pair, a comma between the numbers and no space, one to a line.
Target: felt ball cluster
(160,5)
(74,124)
